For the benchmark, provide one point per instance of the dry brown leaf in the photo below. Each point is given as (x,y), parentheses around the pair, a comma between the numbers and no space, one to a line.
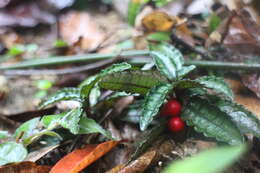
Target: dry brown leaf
(36,155)
(139,165)
(244,98)
(116,169)
(24,167)
(252,81)
(243,35)
(81,158)
(158,21)
(76,25)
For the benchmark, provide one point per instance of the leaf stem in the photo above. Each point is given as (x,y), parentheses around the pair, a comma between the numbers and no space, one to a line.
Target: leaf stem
(125,54)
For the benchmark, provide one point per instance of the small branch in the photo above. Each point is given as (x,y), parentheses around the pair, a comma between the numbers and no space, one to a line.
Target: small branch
(107,59)
(75,69)
(73,59)
(224,65)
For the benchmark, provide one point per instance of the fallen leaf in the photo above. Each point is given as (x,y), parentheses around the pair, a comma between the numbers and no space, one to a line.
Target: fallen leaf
(80,25)
(81,158)
(116,169)
(243,35)
(27,15)
(158,21)
(36,155)
(243,97)
(139,165)
(24,167)
(252,81)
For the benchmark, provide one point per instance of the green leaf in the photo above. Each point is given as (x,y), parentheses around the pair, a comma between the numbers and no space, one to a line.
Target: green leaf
(16,50)
(91,82)
(135,81)
(210,161)
(185,70)
(31,139)
(44,84)
(94,95)
(28,128)
(187,84)
(52,121)
(217,84)
(134,8)
(63,94)
(71,120)
(167,58)
(159,36)
(88,126)
(60,43)
(152,103)
(12,152)
(211,121)
(245,120)
(214,22)
(4,134)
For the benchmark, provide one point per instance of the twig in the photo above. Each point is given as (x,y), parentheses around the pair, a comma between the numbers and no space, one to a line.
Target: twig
(109,58)
(73,59)
(76,69)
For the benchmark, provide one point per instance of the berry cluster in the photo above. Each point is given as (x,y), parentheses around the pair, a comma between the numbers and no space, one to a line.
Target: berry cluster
(172,109)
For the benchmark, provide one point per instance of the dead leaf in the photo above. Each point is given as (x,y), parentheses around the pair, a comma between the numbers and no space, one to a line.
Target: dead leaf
(36,155)
(27,15)
(139,165)
(183,32)
(243,97)
(76,25)
(243,35)
(81,158)
(158,21)
(24,167)
(116,169)
(252,81)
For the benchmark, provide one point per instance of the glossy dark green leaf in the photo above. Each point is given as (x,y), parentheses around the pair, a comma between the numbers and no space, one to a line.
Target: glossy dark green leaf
(91,82)
(135,81)
(167,58)
(12,152)
(152,103)
(211,121)
(217,84)
(88,125)
(63,94)
(187,84)
(245,120)
(27,129)
(210,161)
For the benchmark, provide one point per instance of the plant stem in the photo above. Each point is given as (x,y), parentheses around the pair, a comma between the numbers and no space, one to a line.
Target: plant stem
(126,54)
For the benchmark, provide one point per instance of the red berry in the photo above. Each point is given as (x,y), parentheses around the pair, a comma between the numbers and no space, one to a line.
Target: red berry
(171,108)
(176,124)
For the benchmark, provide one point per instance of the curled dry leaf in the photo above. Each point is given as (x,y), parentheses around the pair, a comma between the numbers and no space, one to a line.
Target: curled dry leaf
(24,167)
(75,26)
(139,165)
(81,158)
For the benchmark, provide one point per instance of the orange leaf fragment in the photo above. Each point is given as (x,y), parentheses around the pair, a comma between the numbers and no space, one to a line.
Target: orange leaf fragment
(158,21)
(24,167)
(81,158)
